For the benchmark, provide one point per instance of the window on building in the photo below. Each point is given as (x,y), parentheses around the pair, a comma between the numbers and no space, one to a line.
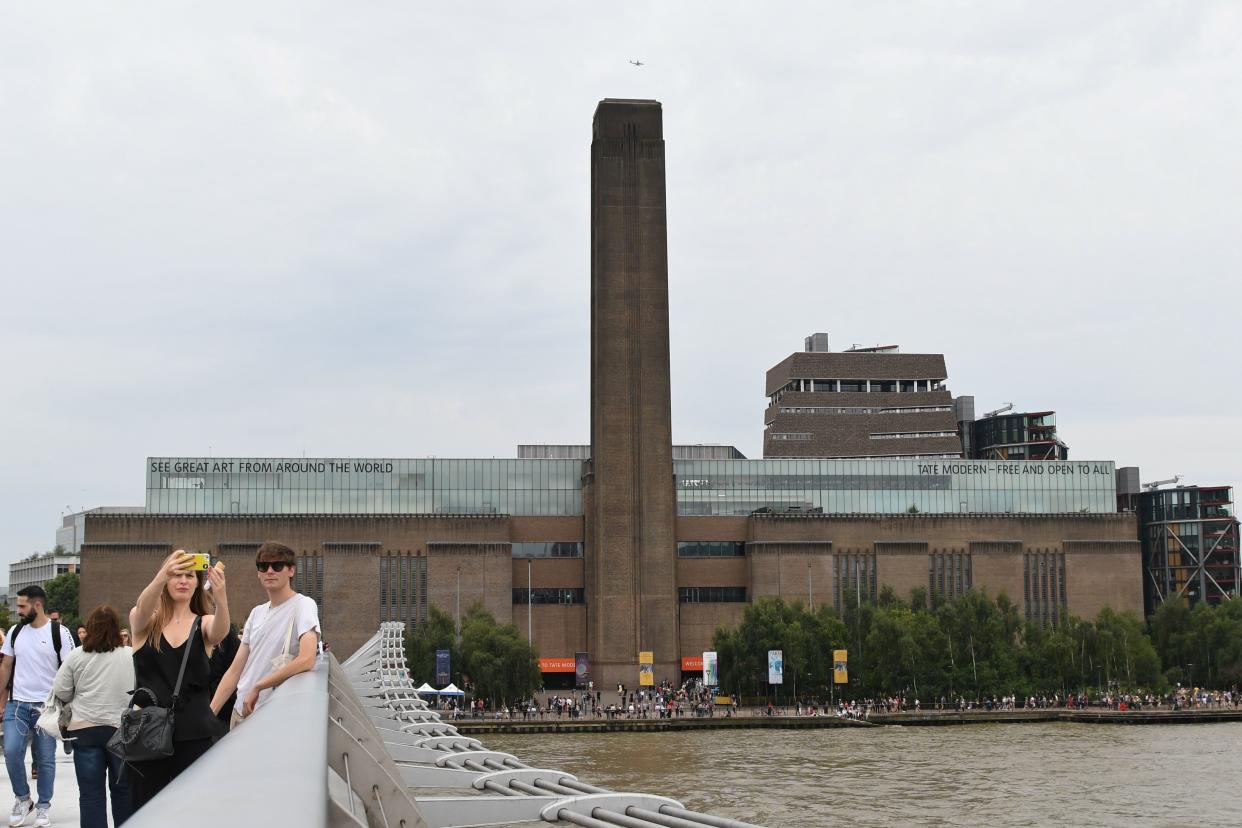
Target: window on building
(711,595)
(403,589)
(710,549)
(554,549)
(549,595)
(308,577)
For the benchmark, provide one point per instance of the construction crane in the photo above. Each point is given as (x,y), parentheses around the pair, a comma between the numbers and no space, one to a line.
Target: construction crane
(1151,487)
(1006,407)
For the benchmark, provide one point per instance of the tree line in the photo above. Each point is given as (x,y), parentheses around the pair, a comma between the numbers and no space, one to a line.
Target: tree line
(490,659)
(977,646)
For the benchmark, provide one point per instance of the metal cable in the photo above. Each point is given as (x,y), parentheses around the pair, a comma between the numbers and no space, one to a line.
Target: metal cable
(662,819)
(620,819)
(554,787)
(524,787)
(379,800)
(706,819)
(504,790)
(583,787)
(585,821)
(349,783)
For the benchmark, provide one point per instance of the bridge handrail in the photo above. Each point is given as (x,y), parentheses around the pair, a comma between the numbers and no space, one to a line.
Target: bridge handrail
(337,746)
(271,771)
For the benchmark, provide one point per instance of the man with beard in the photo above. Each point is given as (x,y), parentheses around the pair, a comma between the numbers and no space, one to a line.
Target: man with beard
(34,649)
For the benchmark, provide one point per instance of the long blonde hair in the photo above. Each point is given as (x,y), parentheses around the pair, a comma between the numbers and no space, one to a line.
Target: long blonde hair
(200,604)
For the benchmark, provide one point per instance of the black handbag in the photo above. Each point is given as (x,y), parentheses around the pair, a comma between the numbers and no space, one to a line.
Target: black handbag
(147,732)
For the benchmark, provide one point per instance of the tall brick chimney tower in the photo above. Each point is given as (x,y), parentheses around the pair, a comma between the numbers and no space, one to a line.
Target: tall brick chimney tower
(630,497)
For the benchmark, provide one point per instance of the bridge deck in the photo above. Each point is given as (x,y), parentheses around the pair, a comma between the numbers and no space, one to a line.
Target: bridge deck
(64,811)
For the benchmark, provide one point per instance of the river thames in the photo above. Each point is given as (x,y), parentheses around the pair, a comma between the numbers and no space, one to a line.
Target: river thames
(1019,774)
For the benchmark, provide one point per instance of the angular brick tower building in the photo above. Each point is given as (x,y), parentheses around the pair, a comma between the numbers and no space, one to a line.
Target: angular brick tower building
(630,501)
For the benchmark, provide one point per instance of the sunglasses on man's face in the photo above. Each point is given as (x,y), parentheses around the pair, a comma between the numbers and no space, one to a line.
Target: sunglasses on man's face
(275,566)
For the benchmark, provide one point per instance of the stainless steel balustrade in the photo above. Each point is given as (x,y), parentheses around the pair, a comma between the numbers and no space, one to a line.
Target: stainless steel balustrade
(350,744)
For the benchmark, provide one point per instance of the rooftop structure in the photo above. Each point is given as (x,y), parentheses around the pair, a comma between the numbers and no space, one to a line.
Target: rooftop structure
(1017,436)
(859,403)
(440,486)
(557,451)
(1190,545)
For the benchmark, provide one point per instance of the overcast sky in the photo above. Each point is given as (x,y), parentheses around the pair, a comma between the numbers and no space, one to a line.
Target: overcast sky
(362,230)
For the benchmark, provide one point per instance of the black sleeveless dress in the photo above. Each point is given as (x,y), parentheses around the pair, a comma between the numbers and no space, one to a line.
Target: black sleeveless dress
(195,728)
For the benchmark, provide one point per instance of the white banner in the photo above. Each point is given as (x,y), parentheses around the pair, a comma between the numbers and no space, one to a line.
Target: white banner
(776,667)
(711,677)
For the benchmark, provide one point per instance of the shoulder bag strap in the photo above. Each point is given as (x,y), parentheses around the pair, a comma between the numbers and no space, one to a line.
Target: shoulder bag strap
(293,616)
(185,657)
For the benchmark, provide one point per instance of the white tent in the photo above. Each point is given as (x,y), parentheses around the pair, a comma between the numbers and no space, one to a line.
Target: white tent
(451,690)
(425,689)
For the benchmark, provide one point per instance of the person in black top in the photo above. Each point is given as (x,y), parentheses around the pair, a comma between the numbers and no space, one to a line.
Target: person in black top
(221,661)
(161,624)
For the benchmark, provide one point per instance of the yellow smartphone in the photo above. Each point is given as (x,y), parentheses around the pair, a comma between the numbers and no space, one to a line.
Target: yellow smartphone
(199,562)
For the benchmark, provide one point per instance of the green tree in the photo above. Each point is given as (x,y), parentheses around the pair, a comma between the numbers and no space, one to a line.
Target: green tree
(438,633)
(501,665)
(62,597)
(1200,646)
(1125,652)
(806,639)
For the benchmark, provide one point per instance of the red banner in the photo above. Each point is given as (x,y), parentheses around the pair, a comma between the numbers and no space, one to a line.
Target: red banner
(692,663)
(558,665)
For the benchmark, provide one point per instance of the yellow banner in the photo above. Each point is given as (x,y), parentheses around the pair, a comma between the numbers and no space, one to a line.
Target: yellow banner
(646,669)
(840,667)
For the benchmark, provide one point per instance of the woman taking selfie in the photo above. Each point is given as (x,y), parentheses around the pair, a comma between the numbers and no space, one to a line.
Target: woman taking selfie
(95,681)
(171,606)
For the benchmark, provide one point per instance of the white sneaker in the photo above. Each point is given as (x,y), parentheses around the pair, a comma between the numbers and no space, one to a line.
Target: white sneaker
(42,820)
(21,810)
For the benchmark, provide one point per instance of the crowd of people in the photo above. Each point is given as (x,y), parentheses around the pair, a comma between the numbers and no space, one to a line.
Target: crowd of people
(662,701)
(179,652)
(692,698)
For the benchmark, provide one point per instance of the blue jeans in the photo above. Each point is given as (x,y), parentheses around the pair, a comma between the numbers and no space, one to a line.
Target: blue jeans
(19,731)
(95,766)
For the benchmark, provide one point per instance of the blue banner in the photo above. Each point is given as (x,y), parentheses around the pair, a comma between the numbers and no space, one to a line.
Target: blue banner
(442,667)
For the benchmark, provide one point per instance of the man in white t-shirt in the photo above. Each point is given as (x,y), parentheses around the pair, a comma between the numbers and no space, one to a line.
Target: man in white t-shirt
(32,657)
(280,639)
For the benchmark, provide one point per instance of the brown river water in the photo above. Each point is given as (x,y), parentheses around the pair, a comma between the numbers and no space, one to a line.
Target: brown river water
(992,774)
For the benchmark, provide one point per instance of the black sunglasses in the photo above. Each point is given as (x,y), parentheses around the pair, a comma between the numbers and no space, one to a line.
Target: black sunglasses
(275,566)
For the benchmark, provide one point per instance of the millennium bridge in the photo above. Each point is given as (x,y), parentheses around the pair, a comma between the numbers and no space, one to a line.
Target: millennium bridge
(352,744)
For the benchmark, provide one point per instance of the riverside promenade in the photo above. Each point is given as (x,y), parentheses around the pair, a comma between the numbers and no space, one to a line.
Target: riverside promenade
(922,718)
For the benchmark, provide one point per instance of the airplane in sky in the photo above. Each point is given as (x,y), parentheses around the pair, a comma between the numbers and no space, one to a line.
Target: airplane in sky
(637,63)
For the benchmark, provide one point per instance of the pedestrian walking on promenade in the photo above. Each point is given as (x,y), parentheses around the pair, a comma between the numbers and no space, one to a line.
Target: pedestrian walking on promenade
(95,682)
(34,649)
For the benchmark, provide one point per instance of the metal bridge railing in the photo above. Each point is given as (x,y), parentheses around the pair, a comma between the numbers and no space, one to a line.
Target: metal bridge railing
(352,744)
